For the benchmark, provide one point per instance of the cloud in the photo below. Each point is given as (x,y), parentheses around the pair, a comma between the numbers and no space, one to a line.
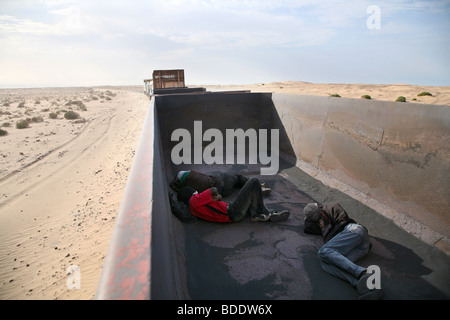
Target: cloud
(57,3)
(67,21)
(71,17)
(109,41)
(10,25)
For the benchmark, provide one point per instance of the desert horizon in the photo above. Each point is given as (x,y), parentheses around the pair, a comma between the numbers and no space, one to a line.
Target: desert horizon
(383,92)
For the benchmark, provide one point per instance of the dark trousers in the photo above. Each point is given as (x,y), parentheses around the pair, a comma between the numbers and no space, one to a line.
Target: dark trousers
(249,199)
(230,182)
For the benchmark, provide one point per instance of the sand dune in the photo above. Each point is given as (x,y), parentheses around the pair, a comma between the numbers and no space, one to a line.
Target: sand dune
(61,181)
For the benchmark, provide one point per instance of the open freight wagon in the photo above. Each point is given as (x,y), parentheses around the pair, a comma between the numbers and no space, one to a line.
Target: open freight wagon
(351,151)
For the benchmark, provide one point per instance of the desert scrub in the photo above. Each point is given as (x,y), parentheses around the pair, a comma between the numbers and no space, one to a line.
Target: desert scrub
(6,124)
(71,115)
(37,119)
(335,95)
(109,93)
(401,99)
(77,103)
(22,124)
(53,115)
(80,120)
(3,132)
(425,93)
(366,96)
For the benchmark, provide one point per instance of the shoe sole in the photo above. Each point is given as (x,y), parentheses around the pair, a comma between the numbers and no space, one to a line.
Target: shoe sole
(258,219)
(279,217)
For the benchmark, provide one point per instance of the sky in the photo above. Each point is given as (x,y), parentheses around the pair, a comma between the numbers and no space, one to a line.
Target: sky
(56,43)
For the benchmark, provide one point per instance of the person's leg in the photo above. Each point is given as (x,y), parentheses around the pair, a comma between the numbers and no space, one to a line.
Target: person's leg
(233,181)
(230,182)
(337,272)
(249,199)
(240,181)
(359,251)
(334,255)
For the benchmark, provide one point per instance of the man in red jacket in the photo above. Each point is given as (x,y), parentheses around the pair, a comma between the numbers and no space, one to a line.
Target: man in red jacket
(208,205)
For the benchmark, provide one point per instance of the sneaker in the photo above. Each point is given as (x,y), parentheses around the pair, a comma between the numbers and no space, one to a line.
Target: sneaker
(266,191)
(279,216)
(261,217)
(366,293)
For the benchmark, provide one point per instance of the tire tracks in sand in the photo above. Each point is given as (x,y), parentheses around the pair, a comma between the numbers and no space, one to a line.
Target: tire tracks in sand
(9,184)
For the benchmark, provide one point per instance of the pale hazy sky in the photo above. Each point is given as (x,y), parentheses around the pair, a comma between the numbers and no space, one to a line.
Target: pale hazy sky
(88,42)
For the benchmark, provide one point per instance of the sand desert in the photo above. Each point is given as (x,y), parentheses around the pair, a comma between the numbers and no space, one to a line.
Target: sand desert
(62,180)
(61,185)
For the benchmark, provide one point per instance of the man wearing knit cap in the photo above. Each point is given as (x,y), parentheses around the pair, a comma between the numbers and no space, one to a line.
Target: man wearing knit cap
(345,242)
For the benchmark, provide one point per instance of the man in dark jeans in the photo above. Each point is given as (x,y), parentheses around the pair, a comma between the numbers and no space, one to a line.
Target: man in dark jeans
(226,183)
(207,205)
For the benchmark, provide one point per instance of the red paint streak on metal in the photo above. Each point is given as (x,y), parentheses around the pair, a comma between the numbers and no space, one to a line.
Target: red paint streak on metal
(135,249)
(126,287)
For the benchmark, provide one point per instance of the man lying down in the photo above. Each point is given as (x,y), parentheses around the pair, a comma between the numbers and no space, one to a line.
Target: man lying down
(189,204)
(226,183)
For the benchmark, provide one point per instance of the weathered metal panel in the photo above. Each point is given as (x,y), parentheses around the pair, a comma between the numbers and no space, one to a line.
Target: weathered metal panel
(138,264)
